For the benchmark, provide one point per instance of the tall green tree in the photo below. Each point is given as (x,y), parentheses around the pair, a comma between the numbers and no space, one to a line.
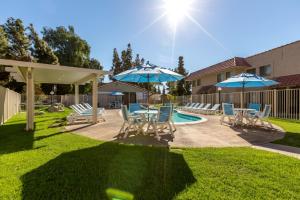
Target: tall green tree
(40,50)
(3,43)
(128,60)
(18,41)
(137,60)
(94,64)
(116,63)
(181,87)
(123,60)
(70,49)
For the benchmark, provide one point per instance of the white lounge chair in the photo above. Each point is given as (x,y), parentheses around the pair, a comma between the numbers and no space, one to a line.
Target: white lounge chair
(200,110)
(86,116)
(194,109)
(213,110)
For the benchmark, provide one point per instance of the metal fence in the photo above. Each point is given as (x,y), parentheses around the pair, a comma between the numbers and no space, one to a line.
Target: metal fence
(9,104)
(285,103)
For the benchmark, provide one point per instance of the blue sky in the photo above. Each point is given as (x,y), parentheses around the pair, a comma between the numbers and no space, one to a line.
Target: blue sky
(239,28)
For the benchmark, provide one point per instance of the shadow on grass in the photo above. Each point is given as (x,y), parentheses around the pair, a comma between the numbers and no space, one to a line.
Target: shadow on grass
(14,138)
(144,172)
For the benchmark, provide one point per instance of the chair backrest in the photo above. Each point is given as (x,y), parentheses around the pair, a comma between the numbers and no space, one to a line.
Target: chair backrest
(164,113)
(134,107)
(88,105)
(228,109)
(76,109)
(255,106)
(188,104)
(207,106)
(266,112)
(215,107)
(83,107)
(191,105)
(79,107)
(196,105)
(124,112)
(200,105)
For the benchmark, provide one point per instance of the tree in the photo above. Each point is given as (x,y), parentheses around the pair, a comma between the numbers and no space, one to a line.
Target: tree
(17,49)
(137,60)
(128,60)
(70,49)
(123,60)
(116,63)
(40,49)
(3,43)
(94,64)
(19,44)
(182,87)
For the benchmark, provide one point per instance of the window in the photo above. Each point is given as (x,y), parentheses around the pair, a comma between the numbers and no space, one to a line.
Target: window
(265,70)
(194,83)
(251,71)
(220,77)
(198,82)
(228,75)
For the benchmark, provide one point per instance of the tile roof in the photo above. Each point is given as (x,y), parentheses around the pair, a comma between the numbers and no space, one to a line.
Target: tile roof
(290,80)
(231,63)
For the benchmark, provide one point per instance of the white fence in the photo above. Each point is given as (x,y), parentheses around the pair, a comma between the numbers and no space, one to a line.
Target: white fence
(9,104)
(285,103)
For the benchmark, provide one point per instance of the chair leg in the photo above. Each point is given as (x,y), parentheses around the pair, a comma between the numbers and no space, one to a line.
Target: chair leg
(156,132)
(171,129)
(121,130)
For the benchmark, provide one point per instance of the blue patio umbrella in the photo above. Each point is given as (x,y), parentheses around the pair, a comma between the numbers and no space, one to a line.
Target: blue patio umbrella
(148,73)
(115,93)
(245,80)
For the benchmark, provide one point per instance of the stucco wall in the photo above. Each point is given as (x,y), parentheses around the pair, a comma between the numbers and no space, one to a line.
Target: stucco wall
(284,60)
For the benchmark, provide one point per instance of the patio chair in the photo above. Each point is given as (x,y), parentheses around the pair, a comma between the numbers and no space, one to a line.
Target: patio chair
(82,116)
(182,107)
(88,106)
(162,121)
(261,116)
(228,111)
(188,106)
(200,110)
(134,107)
(131,122)
(213,110)
(194,109)
(255,106)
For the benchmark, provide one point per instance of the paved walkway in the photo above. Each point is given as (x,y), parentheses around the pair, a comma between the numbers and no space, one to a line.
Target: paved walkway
(278,148)
(207,134)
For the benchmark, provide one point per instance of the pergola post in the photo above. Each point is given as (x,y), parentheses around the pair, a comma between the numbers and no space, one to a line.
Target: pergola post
(29,99)
(76,93)
(95,99)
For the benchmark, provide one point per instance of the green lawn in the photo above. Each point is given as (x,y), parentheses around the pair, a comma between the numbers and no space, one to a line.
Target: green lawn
(292,128)
(51,164)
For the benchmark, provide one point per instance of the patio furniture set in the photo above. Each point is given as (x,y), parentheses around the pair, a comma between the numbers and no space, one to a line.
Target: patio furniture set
(246,116)
(83,113)
(138,117)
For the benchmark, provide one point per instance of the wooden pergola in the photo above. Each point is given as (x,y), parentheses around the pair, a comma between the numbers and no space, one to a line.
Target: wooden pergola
(31,73)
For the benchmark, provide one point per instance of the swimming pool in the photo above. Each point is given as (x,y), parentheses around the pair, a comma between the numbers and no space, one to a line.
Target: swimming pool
(182,118)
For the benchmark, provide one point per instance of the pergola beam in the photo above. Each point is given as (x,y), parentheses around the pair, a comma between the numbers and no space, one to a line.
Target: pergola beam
(95,99)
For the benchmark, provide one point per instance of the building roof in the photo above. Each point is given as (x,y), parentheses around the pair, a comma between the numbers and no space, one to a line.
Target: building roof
(288,81)
(120,87)
(227,64)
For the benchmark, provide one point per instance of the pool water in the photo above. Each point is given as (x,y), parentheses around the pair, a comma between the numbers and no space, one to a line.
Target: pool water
(184,118)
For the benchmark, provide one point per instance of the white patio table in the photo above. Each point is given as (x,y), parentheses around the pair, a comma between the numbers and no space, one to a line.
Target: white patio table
(146,115)
(242,113)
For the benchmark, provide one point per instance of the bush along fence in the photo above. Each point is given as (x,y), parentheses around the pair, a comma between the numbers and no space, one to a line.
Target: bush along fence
(285,103)
(9,104)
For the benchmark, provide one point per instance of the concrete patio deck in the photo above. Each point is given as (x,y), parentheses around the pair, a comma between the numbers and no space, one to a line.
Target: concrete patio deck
(207,134)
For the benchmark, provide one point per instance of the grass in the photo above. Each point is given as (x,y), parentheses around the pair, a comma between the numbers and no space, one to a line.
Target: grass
(52,164)
(292,129)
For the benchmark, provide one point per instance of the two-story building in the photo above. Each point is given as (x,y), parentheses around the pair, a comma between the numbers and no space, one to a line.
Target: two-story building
(281,64)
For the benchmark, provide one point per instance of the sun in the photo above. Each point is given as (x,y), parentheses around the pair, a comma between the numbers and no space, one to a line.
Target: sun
(177,10)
